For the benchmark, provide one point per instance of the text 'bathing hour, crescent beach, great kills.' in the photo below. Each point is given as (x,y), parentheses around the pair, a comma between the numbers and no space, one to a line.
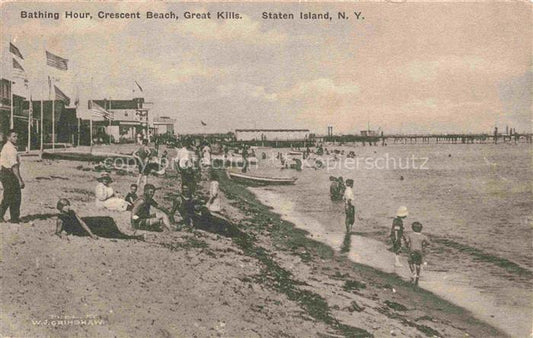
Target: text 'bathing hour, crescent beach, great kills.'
(132,15)
(187,15)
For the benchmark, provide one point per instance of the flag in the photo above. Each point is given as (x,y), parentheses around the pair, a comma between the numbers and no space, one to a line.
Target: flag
(13,49)
(97,110)
(203,123)
(61,96)
(18,71)
(56,61)
(138,85)
(17,65)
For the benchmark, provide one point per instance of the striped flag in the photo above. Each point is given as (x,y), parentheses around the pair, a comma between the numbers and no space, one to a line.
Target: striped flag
(18,70)
(56,61)
(98,111)
(13,49)
(61,96)
(17,65)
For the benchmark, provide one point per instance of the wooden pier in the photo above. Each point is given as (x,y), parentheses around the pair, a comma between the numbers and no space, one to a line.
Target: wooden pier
(432,139)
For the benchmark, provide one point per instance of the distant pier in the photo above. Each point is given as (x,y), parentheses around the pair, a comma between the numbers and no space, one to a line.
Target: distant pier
(431,139)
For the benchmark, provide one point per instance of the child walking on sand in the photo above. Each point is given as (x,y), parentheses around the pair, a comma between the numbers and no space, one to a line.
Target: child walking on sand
(68,222)
(416,241)
(396,234)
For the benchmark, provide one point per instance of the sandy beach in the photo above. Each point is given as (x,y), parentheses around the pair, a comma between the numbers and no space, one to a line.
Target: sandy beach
(263,278)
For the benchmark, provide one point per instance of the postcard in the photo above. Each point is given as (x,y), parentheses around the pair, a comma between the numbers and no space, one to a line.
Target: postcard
(266,169)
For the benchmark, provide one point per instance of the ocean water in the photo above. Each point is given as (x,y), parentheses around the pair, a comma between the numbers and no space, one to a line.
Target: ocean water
(478,196)
(475,202)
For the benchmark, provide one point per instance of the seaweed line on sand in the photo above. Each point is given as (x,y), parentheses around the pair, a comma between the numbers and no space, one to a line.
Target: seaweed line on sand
(286,236)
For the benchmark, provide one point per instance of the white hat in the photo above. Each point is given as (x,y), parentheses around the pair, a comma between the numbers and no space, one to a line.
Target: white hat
(402,212)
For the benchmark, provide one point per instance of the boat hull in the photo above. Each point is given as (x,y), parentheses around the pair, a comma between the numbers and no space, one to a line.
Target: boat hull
(86,157)
(261,181)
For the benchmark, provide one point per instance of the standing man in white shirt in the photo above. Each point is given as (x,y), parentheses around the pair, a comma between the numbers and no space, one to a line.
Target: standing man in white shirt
(349,206)
(186,168)
(11,179)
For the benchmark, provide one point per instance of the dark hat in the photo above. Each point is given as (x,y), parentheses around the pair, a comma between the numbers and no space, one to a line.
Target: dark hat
(62,203)
(416,226)
(104,176)
(149,186)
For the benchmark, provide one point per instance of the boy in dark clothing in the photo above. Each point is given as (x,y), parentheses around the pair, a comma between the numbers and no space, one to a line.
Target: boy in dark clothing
(342,186)
(68,222)
(397,234)
(186,205)
(334,189)
(131,197)
(141,216)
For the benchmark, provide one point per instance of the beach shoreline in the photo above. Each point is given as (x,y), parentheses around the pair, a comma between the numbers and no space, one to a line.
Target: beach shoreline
(268,279)
(370,251)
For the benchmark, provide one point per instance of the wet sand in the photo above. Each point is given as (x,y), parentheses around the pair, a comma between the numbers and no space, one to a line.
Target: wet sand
(508,308)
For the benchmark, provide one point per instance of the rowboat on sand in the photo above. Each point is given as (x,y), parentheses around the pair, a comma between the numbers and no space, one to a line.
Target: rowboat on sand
(260,180)
(87,156)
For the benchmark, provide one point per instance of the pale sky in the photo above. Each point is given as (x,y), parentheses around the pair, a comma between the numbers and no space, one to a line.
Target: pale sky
(407,67)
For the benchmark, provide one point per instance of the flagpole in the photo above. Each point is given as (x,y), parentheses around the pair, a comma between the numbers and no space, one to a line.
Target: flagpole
(30,115)
(53,117)
(91,127)
(11,121)
(109,109)
(91,115)
(42,125)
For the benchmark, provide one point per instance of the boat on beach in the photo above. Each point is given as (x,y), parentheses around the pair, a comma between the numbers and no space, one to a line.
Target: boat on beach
(260,180)
(86,156)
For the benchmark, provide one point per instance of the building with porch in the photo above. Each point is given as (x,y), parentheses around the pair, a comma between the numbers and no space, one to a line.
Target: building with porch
(66,126)
(127,119)
(164,125)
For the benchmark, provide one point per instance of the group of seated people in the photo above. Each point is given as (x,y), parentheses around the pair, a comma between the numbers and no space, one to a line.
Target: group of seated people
(145,212)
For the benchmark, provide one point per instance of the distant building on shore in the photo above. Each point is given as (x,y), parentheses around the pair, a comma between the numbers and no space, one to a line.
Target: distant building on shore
(128,118)
(272,134)
(66,126)
(369,133)
(164,125)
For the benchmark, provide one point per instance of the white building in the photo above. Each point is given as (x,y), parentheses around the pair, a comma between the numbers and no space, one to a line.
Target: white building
(164,125)
(272,134)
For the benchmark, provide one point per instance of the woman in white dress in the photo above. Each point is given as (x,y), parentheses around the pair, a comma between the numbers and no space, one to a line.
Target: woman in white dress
(105,196)
(214,195)
(206,155)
